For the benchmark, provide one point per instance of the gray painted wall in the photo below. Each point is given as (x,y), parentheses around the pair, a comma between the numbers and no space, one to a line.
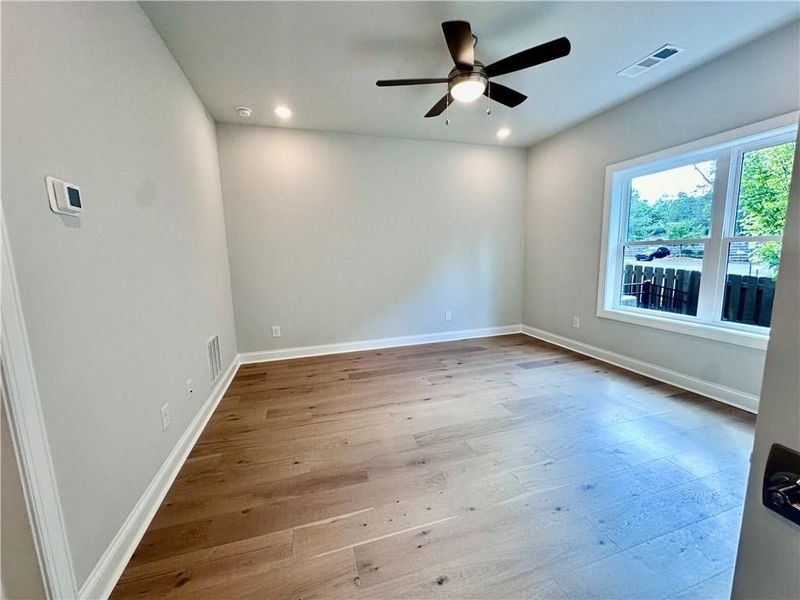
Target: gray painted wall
(118,305)
(768,563)
(566,178)
(340,238)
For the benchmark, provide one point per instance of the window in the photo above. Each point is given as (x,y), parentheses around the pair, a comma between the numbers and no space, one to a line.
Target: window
(692,238)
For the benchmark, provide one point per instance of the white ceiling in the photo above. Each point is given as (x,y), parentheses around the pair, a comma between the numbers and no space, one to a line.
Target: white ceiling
(322,58)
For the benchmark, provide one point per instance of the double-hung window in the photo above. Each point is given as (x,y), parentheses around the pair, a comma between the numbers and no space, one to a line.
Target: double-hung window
(692,235)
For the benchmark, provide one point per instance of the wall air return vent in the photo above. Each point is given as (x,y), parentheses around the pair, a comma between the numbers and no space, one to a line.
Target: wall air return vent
(651,60)
(214,361)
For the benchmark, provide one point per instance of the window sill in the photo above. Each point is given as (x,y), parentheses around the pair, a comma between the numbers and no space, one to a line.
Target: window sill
(706,331)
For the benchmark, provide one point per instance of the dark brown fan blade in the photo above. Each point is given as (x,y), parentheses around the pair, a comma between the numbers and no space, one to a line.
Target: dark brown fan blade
(458,35)
(504,95)
(530,57)
(439,107)
(391,82)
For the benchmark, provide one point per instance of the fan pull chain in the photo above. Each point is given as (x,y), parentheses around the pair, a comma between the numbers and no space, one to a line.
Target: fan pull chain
(447,106)
(488,97)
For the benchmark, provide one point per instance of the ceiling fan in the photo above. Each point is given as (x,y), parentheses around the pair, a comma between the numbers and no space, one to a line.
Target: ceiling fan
(470,78)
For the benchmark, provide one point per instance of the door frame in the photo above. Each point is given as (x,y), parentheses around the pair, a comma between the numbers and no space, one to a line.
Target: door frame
(29,437)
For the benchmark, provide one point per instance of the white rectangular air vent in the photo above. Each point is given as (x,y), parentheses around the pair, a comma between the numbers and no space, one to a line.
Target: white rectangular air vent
(214,362)
(651,60)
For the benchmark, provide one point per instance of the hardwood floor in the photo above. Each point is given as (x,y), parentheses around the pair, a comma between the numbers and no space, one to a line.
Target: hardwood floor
(492,468)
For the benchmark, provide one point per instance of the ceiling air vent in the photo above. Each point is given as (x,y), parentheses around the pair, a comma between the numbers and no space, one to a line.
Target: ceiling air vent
(651,60)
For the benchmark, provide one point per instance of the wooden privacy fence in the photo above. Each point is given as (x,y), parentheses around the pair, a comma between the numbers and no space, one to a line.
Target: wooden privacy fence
(657,288)
(748,299)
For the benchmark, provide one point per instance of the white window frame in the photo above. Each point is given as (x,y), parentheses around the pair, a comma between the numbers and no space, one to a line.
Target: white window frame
(727,149)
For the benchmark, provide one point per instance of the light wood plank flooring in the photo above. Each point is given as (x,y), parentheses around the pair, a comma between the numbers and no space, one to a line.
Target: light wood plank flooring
(491,468)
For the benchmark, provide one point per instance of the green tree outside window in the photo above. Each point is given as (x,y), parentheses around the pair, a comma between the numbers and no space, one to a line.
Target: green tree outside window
(763,198)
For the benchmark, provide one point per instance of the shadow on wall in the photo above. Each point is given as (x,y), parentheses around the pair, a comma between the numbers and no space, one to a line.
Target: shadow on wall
(20,575)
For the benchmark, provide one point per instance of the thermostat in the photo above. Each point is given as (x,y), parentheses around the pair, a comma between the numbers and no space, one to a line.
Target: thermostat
(65,198)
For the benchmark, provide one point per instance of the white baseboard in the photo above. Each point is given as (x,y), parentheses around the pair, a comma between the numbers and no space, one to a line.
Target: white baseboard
(109,568)
(722,393)
(393,342)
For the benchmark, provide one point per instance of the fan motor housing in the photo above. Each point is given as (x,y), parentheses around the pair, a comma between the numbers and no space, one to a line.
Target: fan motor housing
(477,73)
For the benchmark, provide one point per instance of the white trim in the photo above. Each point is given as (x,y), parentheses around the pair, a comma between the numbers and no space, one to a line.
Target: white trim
(377,344)
(663,242)
(29,438)
(707,323)
(107,571)
(687,326)
(736,398)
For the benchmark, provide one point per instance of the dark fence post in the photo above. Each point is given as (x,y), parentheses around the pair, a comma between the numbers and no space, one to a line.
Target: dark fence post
(694,292)
(733,309)
(644,299)
(767,285)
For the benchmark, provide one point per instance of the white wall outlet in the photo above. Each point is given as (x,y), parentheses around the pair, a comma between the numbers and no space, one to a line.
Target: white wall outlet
(276,331)
(576,322)
(448,315)
(165,420)
(189,389)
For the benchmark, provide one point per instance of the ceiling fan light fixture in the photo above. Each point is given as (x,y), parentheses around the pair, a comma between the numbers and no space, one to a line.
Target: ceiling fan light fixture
(468,87)
(469,78)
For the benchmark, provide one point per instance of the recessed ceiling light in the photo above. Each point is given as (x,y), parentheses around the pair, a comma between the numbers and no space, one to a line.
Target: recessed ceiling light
(244,111)
(283,112)
(503,133)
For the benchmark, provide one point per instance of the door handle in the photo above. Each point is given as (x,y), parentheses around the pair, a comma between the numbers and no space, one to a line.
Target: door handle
(781,489)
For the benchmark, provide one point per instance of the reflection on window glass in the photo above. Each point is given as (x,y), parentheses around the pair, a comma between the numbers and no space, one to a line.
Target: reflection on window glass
(662,278)
(750,282)
(764,190)
(672,204)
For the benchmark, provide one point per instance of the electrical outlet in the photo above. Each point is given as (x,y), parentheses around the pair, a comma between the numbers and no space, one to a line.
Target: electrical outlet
(189,389)
(576,322)
(165,420)
(276,331)
(448,316)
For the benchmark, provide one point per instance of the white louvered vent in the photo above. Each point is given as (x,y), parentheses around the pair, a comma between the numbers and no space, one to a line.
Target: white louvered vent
(214,362)
(653,59)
